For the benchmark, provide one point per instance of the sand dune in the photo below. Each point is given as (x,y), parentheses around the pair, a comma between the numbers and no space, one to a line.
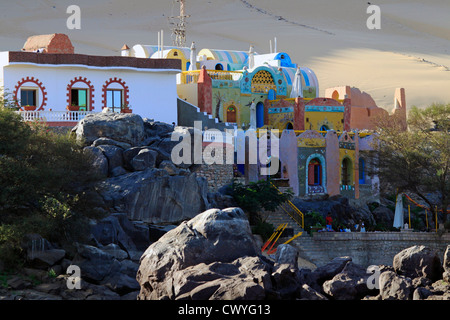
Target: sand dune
(412,49)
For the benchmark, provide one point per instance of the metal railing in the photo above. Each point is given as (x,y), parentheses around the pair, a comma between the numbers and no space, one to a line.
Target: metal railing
(192,76)
(297,215)
(54,116)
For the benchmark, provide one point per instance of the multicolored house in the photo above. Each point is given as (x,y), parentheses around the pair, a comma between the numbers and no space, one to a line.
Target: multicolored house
(322,150)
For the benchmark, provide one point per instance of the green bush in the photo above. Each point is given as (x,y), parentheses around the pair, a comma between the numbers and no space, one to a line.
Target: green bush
(258,196)
(264,229)
(42,177)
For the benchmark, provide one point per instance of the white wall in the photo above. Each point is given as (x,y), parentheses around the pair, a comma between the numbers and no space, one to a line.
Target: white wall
(4,57)
(153,94)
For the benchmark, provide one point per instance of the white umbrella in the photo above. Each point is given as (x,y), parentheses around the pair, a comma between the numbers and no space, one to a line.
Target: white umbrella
(398,217)
(297,90)
(193,58)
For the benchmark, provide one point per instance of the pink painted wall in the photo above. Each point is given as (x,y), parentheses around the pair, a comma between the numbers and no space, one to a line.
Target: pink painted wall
(332,159)
(289,158)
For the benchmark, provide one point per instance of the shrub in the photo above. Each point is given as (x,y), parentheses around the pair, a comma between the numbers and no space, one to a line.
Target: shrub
(41,182)
(258,196)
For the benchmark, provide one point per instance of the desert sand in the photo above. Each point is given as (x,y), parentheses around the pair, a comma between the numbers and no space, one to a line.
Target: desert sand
(411,50)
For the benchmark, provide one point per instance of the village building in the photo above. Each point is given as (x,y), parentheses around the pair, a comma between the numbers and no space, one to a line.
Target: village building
(324,141)
(50,82)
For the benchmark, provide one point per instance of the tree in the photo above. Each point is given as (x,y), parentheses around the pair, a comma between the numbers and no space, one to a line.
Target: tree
(42,179)
(417,160)
(258,196)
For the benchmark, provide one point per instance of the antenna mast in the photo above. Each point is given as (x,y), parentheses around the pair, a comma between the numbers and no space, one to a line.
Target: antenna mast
(179,29)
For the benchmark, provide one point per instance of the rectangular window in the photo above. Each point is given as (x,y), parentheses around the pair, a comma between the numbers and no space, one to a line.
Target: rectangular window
(28,97)
(114,100)
(79,97)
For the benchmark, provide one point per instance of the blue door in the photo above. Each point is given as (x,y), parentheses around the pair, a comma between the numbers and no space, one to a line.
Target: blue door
(259,115)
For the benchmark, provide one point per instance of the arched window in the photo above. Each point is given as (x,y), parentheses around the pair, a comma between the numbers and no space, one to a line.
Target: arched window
(335,95)
(346,172)
(289,126)
(324,128)
(362,169)
(314,173)
(219,66)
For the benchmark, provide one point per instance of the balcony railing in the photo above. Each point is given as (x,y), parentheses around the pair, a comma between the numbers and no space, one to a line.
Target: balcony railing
(187,77)
(54,116)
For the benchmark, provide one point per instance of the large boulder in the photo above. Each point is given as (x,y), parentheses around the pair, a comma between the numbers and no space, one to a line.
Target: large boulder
(216,245)
(349,284)
(117,229)
(418,261)
(316,278)
(121,127)
(395,287)
(154,196)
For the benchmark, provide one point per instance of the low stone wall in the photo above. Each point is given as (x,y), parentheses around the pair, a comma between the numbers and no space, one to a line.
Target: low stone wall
(367,248)
(217,175)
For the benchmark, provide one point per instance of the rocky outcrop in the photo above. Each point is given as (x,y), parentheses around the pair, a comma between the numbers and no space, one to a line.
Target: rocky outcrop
(121,127)
(418,261)
(155,196)
(108,264)
(213,256)
(133,157)
(213,246)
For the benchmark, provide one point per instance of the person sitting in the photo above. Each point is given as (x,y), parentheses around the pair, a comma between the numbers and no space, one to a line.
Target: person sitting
(329,221)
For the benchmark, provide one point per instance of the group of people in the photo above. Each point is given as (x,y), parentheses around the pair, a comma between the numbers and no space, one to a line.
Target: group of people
(359,227)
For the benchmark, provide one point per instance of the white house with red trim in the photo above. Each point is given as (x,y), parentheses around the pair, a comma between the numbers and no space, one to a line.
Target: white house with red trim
(56,85)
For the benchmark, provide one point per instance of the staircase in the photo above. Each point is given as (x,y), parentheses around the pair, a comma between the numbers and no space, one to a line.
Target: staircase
(309,249)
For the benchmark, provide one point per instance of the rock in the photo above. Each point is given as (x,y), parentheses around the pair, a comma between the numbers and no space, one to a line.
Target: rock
(118,171)
(213,239)
(99,161)
(316,278)
(222,281)
(383,216)
(107,141)
(115,251)
(418,261)
(349,284)
(18,283)
(119,281)
(157,128)
(128,156)
(40,252)
(395,287)
(421,293)
(153,196)
(121,127)
(287,254)
(53,288)
(94,263)
(308,293)
(117,229)
(114,156)
(285,281)
(146,158)
(169,167)
(446,263)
